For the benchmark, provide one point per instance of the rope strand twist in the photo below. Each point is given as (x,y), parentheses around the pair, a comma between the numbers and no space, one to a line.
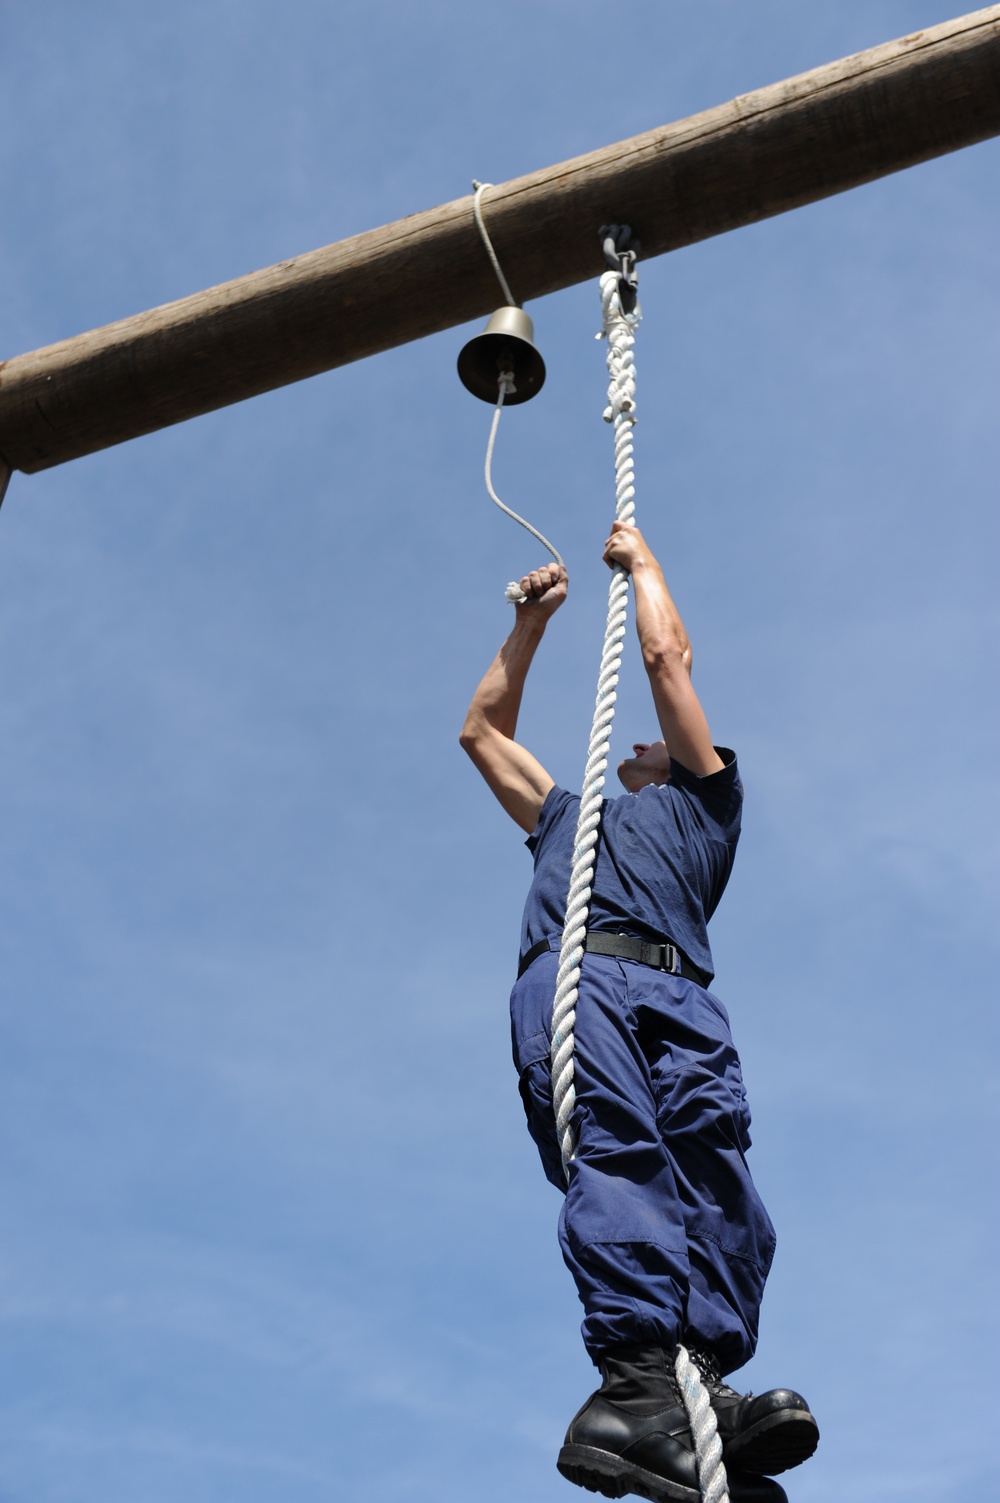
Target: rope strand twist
(712,1482)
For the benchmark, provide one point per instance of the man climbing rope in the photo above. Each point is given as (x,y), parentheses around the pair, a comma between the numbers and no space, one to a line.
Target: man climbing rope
(661,1227)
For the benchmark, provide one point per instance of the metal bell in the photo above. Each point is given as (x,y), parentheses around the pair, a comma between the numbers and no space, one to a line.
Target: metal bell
(506,344)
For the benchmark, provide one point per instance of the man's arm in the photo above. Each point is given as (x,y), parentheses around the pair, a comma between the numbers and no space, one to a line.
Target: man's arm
(666,653)
(518,780)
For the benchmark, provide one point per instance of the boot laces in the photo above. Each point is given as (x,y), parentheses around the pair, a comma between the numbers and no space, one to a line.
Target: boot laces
(708,1365)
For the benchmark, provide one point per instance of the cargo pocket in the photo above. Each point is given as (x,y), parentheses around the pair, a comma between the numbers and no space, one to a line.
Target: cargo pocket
(535,1087)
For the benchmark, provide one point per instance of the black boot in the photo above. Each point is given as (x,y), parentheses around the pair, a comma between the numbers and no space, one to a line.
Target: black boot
(762,1433)
(632,1436)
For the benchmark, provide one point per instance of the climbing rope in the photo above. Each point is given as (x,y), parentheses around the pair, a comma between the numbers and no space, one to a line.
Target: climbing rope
(712,1482)
(619,329)
(621,315)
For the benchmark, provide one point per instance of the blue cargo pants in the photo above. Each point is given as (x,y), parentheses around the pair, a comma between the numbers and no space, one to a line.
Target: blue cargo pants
(661,1226)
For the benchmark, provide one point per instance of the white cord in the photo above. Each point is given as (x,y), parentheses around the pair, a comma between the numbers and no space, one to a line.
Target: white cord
(477,209)
(513,592)
(506,387)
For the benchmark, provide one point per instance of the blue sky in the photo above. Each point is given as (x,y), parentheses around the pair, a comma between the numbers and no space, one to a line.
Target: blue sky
(272,1226)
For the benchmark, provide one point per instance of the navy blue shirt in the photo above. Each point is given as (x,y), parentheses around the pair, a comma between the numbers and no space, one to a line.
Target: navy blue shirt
(663,860)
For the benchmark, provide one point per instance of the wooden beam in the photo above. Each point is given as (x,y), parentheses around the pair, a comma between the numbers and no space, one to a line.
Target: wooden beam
(763,153)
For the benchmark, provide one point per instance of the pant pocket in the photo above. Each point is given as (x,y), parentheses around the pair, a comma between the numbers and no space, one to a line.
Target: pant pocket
(535,1088)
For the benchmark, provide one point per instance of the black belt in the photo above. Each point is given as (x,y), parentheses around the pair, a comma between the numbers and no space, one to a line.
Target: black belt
(662,957)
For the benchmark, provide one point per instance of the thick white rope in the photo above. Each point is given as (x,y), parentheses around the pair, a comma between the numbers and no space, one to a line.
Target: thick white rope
(619,328)
(712,1482)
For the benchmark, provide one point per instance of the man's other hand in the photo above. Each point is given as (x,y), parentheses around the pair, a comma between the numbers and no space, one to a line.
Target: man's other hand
(546,590)
(628,547)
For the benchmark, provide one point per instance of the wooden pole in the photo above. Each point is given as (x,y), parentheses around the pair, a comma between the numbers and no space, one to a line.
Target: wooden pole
(763,153)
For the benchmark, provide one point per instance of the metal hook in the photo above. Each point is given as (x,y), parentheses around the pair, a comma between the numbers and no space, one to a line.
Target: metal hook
(620,255)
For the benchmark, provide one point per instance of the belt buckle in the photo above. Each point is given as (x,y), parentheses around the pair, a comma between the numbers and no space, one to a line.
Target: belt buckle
(670,959)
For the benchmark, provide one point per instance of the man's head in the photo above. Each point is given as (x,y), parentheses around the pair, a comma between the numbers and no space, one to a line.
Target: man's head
(650,764)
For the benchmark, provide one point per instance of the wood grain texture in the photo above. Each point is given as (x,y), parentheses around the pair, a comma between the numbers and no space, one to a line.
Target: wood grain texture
(761,154)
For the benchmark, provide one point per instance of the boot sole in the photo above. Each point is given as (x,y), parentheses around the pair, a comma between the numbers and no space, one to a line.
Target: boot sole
(774,1444)
(604,1472)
